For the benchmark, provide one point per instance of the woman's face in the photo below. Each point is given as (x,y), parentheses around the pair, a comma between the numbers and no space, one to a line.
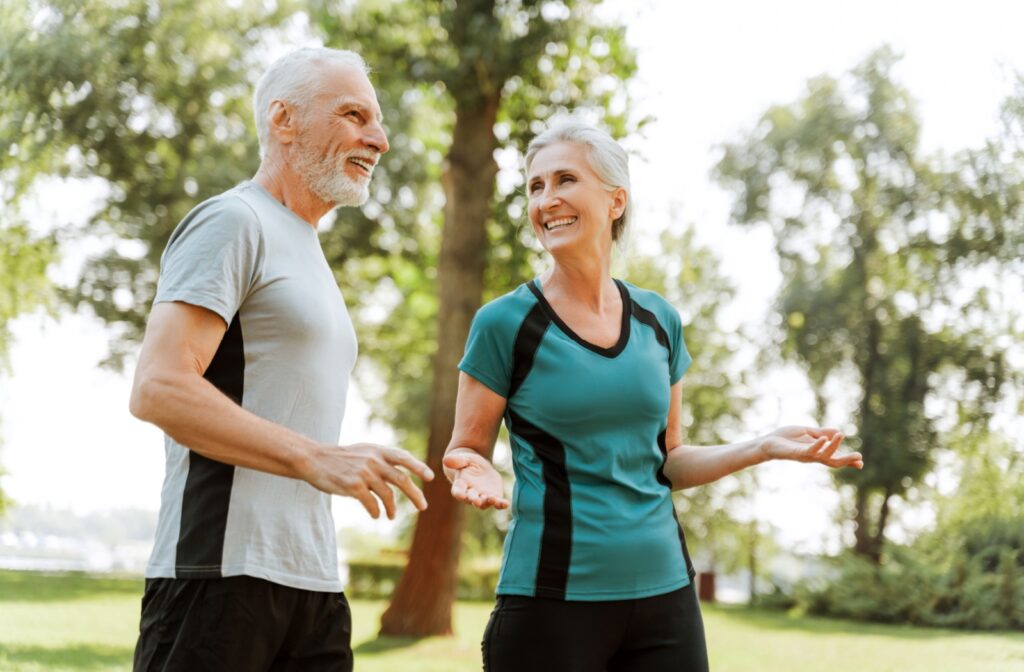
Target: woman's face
(569,206)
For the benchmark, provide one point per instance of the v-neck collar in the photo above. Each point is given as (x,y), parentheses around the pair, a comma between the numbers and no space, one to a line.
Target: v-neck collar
(611,352)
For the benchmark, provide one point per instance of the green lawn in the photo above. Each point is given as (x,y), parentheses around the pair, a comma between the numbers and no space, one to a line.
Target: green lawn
(75,623)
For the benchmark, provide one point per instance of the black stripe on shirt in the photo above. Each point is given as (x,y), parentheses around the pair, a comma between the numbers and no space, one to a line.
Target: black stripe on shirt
(664,480)
(556,539)
(528,339)
(647,317)
(204,502)
(612,352)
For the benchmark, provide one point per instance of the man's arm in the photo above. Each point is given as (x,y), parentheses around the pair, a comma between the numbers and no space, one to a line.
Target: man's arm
(169,391)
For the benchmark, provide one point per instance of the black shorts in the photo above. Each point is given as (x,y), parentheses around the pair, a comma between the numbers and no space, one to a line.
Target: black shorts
(664,633)
(241,623)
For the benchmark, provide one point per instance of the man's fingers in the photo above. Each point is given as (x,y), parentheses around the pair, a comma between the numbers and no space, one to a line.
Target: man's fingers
(414,494)
(368,501)
(406,485)
(397,456)
(380,488)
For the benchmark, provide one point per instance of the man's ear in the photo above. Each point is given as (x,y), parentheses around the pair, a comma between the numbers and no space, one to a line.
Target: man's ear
(282,122)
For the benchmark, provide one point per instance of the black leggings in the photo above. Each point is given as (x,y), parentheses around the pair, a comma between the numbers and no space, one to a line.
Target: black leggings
(664,633)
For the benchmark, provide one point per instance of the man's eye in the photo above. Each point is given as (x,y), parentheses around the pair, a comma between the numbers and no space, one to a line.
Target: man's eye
(355,115)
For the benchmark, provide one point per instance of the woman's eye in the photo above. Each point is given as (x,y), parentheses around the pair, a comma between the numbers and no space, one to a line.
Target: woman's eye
(567,178)
(535,187)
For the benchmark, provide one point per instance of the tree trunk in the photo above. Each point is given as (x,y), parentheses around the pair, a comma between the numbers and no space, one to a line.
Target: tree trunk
(706,587)
(752,562)
(869,541)
(883,519)
(422,603)
(861,531)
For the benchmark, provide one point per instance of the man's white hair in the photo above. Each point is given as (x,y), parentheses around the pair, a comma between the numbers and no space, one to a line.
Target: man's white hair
(295,78)
(607,157)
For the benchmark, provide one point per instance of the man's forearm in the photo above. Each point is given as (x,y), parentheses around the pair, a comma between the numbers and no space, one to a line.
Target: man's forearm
(193,412)
(689,466)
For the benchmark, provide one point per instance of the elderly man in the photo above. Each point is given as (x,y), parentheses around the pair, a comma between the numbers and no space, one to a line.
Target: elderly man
(245,366)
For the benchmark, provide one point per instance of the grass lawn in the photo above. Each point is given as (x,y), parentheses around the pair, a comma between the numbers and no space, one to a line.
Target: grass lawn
(76,623)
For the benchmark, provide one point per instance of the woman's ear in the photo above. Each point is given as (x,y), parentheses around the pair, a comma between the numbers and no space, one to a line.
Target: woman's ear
(619,200)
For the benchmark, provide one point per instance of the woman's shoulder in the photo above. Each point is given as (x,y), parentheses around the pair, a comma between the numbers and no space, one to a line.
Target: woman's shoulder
(508,310)
(651,301)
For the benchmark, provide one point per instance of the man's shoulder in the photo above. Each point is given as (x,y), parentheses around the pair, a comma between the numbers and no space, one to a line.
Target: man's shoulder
(235,203)
(227,213)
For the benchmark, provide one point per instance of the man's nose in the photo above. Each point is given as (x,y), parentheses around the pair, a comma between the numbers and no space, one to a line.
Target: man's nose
(376,137)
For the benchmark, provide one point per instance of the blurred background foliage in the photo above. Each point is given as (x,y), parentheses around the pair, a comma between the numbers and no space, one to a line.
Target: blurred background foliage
(899,268)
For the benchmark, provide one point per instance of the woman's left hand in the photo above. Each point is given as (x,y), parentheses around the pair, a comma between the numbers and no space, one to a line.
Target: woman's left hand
(809,444)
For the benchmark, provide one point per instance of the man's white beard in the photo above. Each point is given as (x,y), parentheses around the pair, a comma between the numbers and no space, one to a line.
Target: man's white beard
(325,175)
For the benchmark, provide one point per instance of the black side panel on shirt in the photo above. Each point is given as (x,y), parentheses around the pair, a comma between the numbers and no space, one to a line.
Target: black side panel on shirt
(556,540)
(204,505)
(663,479)
(528,338)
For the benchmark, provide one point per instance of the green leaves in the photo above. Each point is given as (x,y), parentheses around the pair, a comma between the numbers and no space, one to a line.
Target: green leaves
(23,282)
(879,246)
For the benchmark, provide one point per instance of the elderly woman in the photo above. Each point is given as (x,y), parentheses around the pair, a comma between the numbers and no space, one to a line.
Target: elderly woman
(586,370)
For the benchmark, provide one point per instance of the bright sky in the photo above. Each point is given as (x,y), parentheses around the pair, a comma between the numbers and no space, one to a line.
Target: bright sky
(707,71)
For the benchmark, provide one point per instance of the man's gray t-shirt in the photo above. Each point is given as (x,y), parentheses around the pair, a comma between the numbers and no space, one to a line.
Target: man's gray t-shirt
(286,356)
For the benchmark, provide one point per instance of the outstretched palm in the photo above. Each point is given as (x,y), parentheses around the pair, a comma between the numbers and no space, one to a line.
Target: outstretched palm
(810,444)
(476,482)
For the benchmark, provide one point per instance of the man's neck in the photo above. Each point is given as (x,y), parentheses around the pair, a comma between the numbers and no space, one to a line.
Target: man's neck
(290,190)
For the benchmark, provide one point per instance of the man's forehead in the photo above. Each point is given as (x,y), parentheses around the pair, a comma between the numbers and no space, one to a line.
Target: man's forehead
(365,105)
(347,85)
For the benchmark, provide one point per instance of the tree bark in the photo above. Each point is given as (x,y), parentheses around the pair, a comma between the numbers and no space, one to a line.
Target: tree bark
(879,538)
(861,532)
(869,542)
(422,603)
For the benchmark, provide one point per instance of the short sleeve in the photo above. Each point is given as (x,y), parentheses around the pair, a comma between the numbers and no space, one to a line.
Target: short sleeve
(679,357)
(488,356)
(213,258)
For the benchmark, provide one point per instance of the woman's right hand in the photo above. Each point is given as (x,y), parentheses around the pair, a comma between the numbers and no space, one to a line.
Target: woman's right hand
(475,480)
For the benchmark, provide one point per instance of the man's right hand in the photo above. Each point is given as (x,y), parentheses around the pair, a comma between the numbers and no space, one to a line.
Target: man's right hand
(362,470)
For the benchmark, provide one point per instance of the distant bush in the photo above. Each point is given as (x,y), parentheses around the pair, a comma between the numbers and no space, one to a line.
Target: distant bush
(971,577)
(377,577)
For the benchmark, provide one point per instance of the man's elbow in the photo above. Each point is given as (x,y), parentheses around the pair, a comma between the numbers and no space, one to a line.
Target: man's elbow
(136,403)
(144,400)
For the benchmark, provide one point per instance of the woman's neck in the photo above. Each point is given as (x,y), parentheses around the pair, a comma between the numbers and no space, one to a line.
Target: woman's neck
(587,284)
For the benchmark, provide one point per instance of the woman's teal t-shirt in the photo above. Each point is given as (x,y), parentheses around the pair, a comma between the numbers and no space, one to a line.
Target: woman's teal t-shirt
(592,513)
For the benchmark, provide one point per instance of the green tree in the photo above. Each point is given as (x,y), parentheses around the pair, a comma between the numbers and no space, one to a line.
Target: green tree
(156,103)
(892,265)
(24,285)
(489,69)
(151,97)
